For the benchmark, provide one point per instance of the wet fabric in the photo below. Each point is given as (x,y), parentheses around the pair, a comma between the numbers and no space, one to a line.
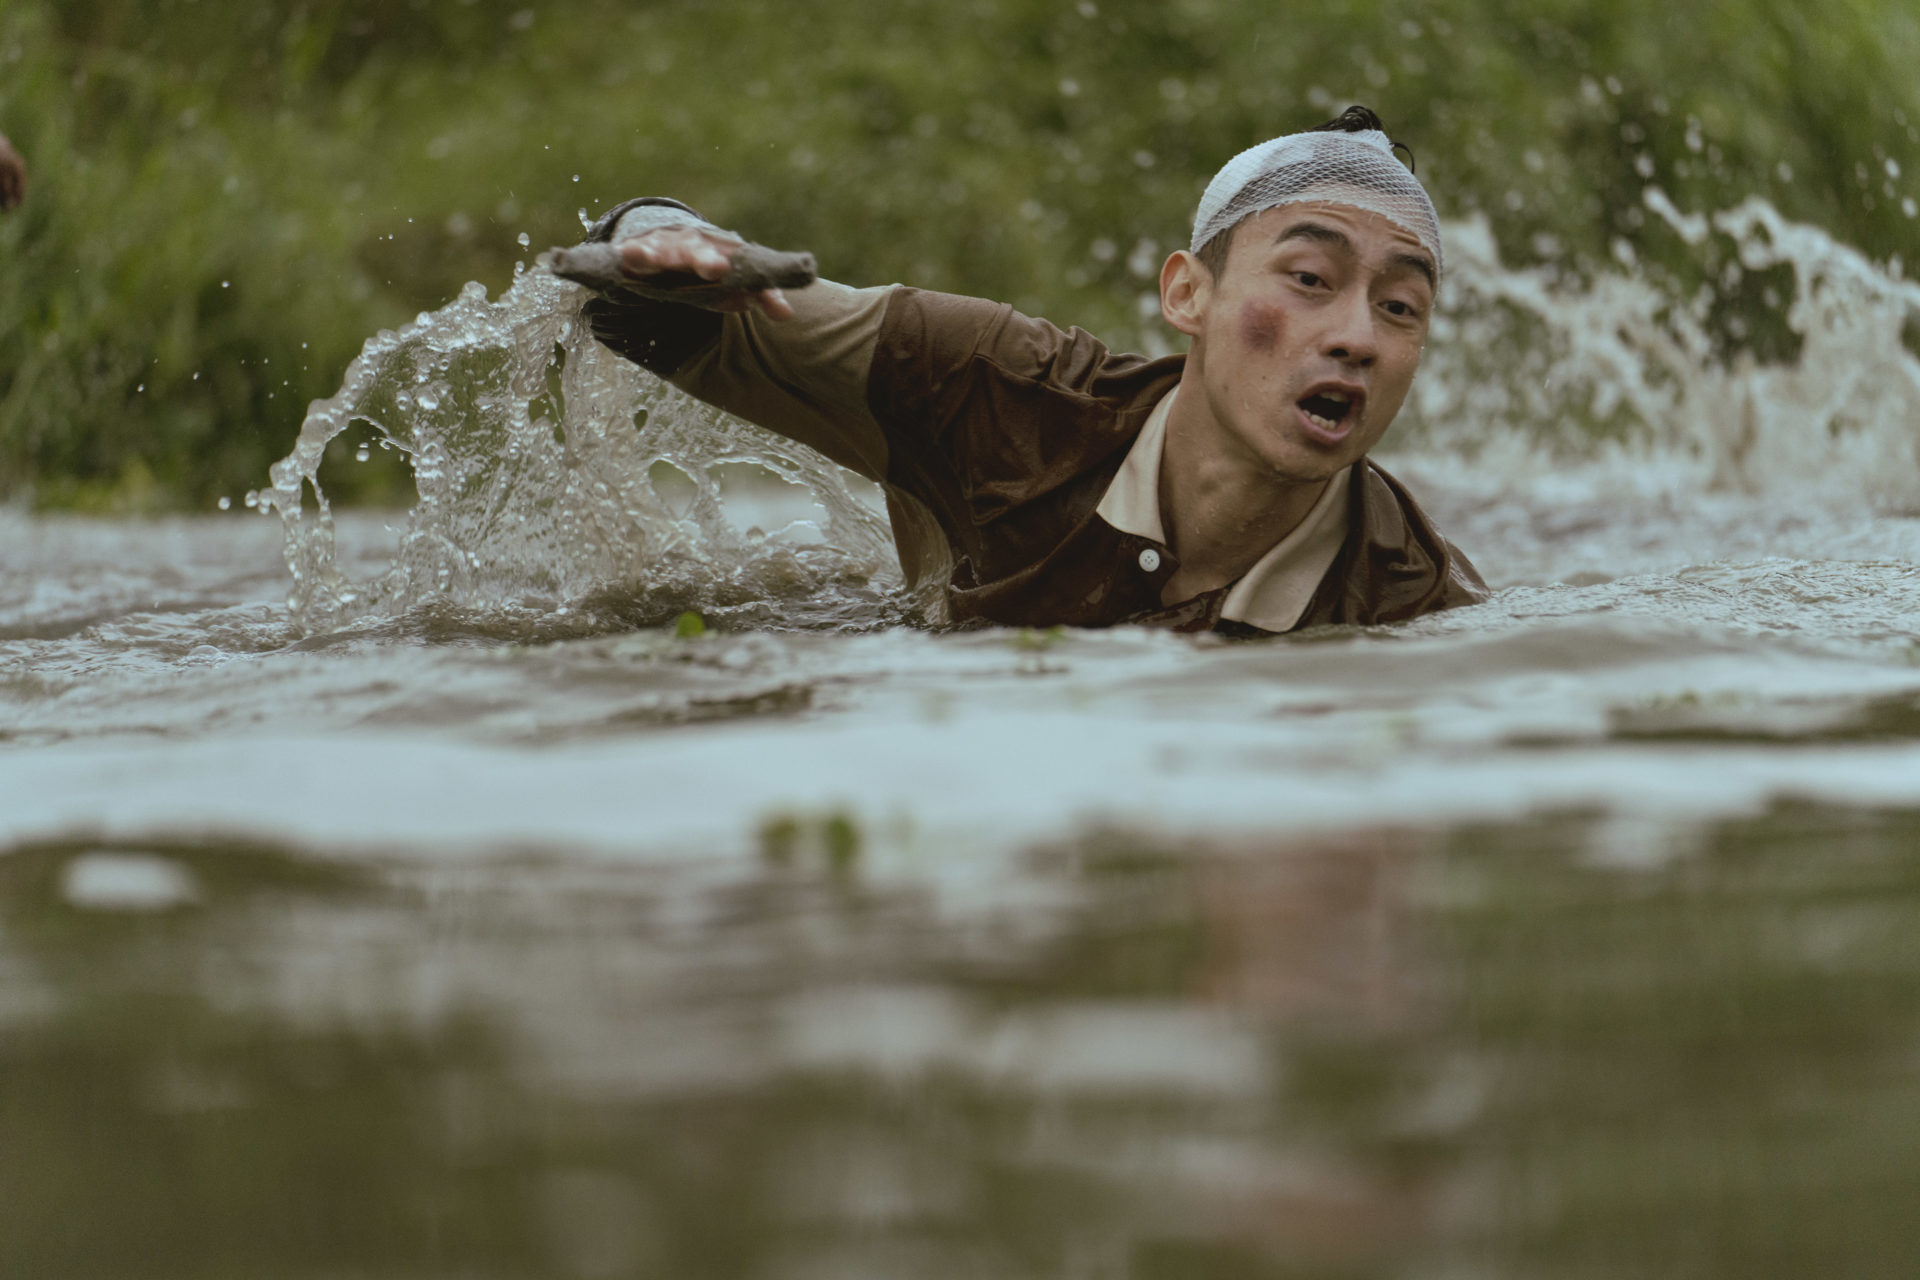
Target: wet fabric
(996,437)
(1274,592)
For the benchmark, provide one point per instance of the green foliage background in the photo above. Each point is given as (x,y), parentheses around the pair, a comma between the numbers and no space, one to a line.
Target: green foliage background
(228,197)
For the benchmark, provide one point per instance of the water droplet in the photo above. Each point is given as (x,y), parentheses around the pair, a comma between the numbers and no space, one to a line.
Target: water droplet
(225,284)
(224,504)
(576,177)
(252,498)
(524,239)
(362,454)
(429,401)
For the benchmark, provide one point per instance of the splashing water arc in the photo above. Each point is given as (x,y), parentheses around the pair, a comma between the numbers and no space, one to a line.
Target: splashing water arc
(538,459)
(537,454)
(1533,369)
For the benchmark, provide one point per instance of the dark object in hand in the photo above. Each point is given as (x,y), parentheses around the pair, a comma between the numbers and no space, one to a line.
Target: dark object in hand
(751,269)
(13,176)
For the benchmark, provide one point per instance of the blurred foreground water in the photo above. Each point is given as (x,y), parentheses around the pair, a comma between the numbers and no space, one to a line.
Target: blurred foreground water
(466,919)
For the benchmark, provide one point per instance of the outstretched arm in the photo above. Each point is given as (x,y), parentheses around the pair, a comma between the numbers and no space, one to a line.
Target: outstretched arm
(13,176)
(794,361)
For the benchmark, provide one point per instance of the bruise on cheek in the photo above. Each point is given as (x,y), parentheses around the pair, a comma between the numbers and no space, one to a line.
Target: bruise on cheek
(1261,325)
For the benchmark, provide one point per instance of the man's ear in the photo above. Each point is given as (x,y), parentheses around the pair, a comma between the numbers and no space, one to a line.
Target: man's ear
(1186,289)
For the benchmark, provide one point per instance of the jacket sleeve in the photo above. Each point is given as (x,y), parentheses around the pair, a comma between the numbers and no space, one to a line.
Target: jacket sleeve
(804,378)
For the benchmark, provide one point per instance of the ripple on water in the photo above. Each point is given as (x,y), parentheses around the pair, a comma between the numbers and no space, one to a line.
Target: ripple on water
(1371,1052)
(1571,934)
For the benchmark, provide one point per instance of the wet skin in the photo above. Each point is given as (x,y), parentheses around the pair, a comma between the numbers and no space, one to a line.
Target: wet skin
(706,252)
(1319,307)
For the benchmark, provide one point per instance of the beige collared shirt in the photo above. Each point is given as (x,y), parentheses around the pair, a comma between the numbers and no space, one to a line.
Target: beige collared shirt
(1274,592)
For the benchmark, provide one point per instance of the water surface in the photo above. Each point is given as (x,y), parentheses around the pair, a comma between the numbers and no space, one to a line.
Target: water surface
(444,909)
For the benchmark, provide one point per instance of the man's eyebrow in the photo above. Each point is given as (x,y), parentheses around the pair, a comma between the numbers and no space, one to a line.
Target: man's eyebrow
(1340,240)
(1316,231)
(1419,262)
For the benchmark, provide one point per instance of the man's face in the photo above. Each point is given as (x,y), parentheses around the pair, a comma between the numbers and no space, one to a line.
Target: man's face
(1307,341)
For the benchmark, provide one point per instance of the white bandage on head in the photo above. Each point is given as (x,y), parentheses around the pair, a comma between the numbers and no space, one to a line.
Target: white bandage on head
(1357,169)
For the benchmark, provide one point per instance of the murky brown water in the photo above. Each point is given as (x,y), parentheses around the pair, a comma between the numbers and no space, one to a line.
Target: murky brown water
(476,923)
(1490,1050)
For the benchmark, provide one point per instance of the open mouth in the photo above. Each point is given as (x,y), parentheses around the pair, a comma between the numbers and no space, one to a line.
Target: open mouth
(1330,410)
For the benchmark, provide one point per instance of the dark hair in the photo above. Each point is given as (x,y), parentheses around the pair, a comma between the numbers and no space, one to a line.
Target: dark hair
(1359,119)
(1355,119)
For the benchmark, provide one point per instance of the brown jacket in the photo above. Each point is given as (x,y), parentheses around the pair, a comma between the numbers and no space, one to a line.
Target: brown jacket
(995,437)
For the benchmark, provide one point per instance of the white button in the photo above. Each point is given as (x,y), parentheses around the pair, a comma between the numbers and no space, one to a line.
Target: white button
(1149,559)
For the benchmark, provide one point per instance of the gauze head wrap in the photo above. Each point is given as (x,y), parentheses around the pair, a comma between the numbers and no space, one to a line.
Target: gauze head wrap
(1357,169)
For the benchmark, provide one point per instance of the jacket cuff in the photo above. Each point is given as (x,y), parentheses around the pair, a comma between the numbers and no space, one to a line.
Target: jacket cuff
(660,337)
(630,218)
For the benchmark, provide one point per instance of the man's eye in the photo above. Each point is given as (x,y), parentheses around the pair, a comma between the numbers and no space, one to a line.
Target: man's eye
(1308,279)
(1396,307)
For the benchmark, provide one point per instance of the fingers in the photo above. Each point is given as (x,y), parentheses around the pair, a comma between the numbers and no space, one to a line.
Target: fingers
(703,253)
(678,249)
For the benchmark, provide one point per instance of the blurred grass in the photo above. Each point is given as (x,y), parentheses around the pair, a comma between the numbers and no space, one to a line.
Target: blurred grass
(227,198)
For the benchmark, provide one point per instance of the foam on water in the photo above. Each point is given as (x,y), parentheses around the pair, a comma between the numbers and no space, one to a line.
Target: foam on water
(1529,370)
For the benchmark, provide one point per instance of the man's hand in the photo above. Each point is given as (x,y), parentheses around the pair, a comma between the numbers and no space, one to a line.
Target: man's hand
(703,253)
(13,176)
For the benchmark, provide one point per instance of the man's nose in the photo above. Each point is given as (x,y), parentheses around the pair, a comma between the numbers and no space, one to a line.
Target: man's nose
(1349,337)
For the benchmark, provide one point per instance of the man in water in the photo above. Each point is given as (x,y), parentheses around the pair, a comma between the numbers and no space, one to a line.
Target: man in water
(1045,480)
(13,176)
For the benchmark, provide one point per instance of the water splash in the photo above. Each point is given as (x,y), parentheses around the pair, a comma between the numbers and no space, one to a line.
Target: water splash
(547,466)
(1532,369)
(552,472)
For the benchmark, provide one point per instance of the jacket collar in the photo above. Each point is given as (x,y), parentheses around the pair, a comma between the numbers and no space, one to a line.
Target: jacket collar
(1275,591)
(1132,501)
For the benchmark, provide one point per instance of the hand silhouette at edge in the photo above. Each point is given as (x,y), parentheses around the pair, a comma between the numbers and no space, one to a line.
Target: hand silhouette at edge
(13,176)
